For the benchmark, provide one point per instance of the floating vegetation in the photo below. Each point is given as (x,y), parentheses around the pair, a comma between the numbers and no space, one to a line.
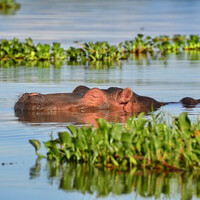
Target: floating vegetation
(8,7)
(161,143)
(98,51)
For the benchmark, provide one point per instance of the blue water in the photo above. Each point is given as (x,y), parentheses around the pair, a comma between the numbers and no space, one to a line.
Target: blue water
(69,21)
(114,21)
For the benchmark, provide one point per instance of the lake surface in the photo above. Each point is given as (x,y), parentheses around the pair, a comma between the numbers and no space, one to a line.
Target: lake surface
(93,20)
(177,76)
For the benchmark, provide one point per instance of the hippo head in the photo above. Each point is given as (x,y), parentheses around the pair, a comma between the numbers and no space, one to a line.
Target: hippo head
(84,99)
(115,99)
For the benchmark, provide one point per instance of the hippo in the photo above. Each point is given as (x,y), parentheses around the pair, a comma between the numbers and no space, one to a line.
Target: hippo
(84,99)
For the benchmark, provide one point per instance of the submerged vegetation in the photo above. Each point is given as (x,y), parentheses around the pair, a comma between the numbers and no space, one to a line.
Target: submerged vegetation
(158,143)
(99,51)
(8,7)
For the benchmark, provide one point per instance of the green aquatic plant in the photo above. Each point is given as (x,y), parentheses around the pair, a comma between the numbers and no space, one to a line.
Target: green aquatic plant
(8,7)
(58,53)
(43,52)
(98,51)
(193,43)
(7,4)
(101,51)
(138,45)
(76,54)
(141,142)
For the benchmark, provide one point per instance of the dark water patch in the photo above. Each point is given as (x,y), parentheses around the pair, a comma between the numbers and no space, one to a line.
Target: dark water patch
(3,164)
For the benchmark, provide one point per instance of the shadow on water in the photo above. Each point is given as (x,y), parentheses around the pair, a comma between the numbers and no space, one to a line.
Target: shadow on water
(103,182)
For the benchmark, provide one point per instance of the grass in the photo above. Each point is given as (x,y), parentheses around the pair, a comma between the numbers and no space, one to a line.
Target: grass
(161,142)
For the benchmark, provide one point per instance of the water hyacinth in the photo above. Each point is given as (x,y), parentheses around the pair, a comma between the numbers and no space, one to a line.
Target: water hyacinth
(141,142)
(98,51)
(5,4)
(8,7)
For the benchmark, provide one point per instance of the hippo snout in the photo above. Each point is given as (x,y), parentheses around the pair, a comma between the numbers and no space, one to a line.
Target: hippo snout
(20,104)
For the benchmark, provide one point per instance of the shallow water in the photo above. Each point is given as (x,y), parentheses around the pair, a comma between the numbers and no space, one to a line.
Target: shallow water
(69,21)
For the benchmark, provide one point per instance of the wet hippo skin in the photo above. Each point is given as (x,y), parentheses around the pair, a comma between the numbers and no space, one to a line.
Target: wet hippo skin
(86,99)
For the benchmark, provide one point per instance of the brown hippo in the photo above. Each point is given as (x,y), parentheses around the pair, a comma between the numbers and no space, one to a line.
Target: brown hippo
(86,99)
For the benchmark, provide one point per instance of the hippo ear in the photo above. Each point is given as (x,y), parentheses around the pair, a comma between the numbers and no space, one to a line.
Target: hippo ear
(81,89)
(126,95)
(94,97)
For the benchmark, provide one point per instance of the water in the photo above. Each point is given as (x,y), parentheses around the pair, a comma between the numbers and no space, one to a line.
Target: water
(114,21)
(69,21)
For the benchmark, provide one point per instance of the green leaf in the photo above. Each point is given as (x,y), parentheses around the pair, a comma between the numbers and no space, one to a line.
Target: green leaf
(133,161)
(138,146)
(79,144)
(127,141)
(184,121)
(116,132)
(73,130)
(114,161)
(36,144)
(55,152)
(103,124)
(126,137)
(65,138)
(29,41)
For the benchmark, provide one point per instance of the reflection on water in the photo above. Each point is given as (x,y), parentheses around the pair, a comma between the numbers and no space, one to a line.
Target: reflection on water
(75,117)
(85,117)
(143,59)
(33,71)
(102,182)
(57,64)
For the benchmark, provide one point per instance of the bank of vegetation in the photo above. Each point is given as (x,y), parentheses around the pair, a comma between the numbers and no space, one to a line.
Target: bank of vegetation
(98,51)
(160,142)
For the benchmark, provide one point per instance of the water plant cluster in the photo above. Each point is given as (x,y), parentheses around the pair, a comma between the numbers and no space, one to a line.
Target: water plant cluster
(8,6)
(160,142)
(98,51)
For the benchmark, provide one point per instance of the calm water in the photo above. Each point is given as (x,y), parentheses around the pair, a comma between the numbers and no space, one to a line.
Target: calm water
(114,20)
(69,21)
